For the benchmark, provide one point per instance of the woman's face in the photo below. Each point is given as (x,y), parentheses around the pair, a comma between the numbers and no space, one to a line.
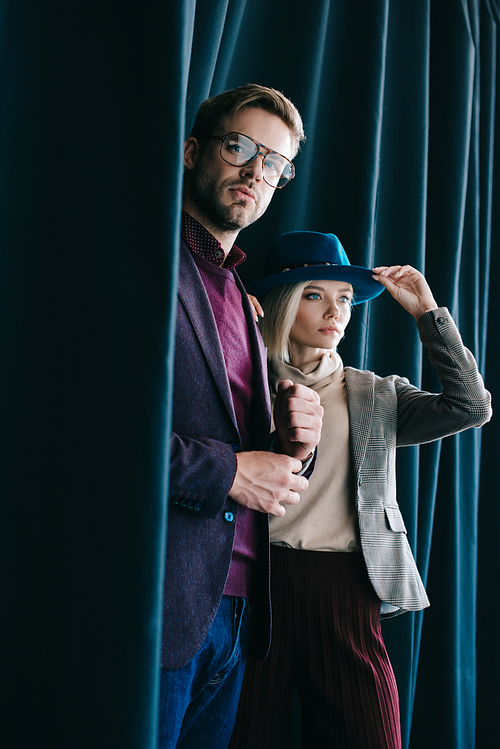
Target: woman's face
(323,315)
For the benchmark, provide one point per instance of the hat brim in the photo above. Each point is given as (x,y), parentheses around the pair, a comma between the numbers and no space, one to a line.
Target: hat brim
(365,287)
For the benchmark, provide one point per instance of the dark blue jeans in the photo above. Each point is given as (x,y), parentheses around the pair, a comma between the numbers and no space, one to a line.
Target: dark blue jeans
(198,702)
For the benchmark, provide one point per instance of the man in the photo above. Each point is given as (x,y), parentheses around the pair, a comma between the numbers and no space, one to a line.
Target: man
(224,478)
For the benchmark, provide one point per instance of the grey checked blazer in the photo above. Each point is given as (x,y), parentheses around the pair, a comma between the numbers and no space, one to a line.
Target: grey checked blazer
(389,412)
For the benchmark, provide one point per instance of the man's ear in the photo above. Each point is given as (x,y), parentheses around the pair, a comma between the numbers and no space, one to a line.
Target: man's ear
(192,150)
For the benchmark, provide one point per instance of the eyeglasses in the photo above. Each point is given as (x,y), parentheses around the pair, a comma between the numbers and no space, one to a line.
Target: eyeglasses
(238,149)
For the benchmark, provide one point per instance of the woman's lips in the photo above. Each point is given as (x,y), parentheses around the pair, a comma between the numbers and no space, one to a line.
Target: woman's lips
(329,331)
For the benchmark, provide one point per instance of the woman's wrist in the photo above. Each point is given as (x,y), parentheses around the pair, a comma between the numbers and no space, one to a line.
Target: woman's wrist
(423,309)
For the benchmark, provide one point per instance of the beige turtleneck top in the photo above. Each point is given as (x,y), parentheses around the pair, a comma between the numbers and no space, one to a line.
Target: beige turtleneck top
(325,518)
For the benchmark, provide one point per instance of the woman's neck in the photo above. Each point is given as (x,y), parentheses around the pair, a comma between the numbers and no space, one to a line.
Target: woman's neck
(301,355)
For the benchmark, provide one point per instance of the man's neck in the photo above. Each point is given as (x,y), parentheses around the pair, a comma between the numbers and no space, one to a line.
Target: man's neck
(226,238)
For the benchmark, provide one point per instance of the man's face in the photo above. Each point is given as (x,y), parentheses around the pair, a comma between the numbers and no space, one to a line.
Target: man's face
(233,197)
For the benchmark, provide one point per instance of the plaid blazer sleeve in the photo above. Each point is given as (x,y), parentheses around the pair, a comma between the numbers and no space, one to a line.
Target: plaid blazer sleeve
(464,401)
(386,412)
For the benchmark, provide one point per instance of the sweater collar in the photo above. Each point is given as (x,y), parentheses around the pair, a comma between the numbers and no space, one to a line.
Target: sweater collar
(310,374)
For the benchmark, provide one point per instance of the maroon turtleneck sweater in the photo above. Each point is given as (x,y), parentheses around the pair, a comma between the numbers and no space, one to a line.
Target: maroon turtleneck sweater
(225,300)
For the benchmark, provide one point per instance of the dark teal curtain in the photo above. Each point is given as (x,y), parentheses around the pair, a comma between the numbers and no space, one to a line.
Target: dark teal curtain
(400,104)
(92,110)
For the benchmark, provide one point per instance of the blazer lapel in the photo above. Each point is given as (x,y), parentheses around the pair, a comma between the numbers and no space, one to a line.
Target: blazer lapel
(261,399)
(360,387)
(195,301)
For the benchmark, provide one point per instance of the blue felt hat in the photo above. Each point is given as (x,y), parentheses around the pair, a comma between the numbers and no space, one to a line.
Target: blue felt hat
(309,255)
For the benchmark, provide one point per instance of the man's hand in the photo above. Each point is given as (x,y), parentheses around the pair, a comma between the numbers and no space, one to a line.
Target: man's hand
(408,287)
(263,480)
(298,417)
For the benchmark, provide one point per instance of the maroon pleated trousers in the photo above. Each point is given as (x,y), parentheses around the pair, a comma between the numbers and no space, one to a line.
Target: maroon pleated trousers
(327,642)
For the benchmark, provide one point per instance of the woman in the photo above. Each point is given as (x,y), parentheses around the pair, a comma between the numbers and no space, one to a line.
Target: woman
(340,558)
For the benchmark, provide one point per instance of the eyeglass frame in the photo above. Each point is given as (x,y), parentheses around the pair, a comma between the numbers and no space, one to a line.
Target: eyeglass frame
(267,151)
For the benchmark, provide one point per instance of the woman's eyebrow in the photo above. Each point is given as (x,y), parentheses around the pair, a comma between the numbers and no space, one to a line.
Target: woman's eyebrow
(321,288)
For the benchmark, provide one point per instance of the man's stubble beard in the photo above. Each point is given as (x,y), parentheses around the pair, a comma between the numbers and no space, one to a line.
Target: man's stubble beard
(207,195)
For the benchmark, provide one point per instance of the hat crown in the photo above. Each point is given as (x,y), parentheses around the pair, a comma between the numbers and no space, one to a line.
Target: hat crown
(302,248)
(309,255)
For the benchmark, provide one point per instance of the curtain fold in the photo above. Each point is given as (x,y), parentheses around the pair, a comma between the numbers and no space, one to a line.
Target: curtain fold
(401,110)
(92,123)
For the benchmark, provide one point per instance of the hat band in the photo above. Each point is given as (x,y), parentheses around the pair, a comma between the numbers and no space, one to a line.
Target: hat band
(304,265)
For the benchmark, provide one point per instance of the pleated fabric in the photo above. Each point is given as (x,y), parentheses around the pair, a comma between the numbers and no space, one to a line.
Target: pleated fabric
(327,643)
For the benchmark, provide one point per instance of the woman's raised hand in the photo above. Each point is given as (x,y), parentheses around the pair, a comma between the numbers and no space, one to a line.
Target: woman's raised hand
(408,287)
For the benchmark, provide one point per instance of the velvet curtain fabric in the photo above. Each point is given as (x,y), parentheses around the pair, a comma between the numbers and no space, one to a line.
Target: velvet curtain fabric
(400,104)
(91,128)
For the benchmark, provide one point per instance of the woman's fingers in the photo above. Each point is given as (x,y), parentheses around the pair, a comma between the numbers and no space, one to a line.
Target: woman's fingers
(256,307)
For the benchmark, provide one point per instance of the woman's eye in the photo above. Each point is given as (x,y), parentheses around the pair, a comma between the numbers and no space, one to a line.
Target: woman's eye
(312,295)
(345,299)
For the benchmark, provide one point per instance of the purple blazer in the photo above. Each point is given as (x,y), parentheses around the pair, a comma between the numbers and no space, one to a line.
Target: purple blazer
(205,437)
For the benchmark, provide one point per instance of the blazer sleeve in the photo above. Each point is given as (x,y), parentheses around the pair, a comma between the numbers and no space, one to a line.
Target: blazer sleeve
(201,474)
(464,401)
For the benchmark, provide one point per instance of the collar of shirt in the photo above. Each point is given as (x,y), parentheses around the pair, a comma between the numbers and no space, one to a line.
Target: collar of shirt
(202,243)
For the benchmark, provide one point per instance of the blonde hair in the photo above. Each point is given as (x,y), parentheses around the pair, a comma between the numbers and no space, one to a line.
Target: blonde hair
(280,305)
(214,111)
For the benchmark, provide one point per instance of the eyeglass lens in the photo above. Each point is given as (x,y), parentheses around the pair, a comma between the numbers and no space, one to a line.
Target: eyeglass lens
(238,149)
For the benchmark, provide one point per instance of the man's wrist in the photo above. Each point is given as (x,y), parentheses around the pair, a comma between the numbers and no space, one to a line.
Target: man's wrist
(275,447)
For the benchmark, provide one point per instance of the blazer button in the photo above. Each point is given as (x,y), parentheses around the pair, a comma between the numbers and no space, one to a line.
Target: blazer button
(441,320)
(229,517)
(198,506)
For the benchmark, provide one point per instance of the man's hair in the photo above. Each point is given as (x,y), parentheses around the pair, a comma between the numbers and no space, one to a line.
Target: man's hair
(214,111)
(280,305)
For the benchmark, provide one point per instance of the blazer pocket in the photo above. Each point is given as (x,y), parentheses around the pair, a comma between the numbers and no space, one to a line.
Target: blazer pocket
(395,519)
